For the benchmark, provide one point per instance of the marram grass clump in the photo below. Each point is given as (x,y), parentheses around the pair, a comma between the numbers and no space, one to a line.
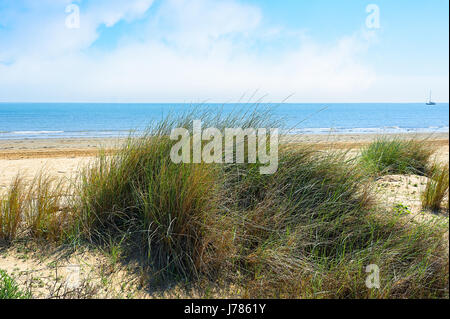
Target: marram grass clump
(158,207)
(311,229)
(9,289)
(41,208)
(436,188)
(396,156)
(164,211)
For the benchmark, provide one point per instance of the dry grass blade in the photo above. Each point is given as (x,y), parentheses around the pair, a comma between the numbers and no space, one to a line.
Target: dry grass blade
(437,187)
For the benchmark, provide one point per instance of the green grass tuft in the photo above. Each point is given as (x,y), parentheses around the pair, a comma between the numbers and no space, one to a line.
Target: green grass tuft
(41,209)
(310,230)
(396,156)
(159,209)
(437,187)
(9,288)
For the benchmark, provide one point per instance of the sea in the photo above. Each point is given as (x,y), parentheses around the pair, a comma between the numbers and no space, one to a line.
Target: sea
(91,120)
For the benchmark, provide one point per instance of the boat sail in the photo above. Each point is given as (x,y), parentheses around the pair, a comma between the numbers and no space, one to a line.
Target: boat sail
(429,102)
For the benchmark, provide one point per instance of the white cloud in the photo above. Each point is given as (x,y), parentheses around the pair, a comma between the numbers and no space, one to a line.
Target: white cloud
(37,28)
(110,12)
(188,50)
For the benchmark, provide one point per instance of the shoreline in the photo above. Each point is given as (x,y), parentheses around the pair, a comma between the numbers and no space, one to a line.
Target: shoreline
(10,136)
(86,147)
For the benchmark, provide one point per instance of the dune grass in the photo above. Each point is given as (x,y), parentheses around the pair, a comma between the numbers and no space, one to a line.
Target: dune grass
(40,208)
(11,210)
(307,231)
(9,289)
(437,187)
(310,230)
(157,207)
(396,156)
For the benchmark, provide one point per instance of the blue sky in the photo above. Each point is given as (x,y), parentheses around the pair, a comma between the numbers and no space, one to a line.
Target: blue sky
(218,50)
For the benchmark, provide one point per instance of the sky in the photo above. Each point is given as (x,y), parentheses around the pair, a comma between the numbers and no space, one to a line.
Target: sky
(224,51)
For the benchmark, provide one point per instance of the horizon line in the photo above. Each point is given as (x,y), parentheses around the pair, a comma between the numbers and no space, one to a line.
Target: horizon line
(196,103)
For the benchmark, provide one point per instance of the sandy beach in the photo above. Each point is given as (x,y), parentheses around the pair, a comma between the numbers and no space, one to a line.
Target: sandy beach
(63,157)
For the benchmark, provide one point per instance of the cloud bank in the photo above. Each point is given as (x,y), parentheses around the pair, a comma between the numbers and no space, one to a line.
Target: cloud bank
(176,51)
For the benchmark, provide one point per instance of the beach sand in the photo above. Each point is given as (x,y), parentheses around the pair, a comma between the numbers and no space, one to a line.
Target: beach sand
(64,157)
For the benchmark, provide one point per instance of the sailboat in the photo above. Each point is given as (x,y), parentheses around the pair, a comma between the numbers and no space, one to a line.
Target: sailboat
(429,102)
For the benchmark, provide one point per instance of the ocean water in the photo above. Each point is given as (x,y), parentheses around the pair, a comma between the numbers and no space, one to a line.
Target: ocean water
(67,120)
